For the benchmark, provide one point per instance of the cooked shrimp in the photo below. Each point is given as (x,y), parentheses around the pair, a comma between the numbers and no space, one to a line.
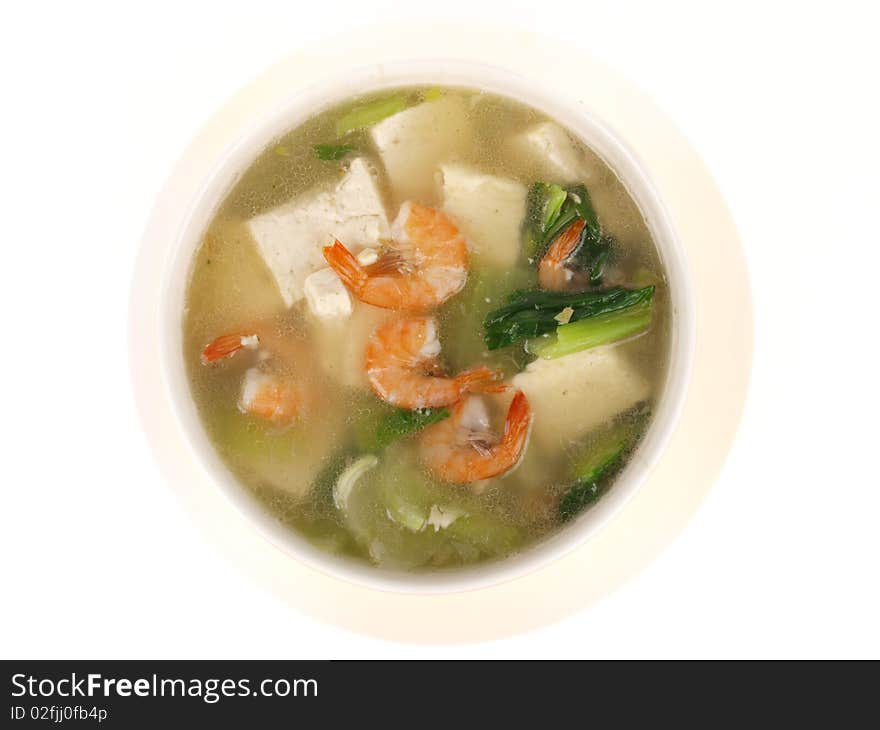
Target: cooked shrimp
(553,274)
(403,366)
(277,398)
(424,264)
(264,393)
(463,449)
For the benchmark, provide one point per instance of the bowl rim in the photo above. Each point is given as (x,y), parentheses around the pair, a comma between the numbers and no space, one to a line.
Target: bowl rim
(293,109)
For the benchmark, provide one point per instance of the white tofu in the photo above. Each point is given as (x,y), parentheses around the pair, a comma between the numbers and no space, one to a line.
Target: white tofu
(291,236)
(557,157)
(488,210)
(411,142)
(326,295)
(575,394)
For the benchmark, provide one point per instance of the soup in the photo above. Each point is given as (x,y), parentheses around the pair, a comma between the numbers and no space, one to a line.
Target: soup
(426,328)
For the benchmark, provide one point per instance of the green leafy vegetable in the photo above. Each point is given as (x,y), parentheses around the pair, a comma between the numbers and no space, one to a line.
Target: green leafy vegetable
(370,113)
(580,201)
(373,436)
(528,314)
(551,209)
(599,460)
(577,498)
(332,151)
(486,288)
(590,255)
(592,332)
(544,206)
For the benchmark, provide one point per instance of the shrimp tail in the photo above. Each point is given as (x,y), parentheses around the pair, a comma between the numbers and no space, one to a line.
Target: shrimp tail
(346,266)
(481,379)
(226,346)
(568,241)
(552,273)
(518,421)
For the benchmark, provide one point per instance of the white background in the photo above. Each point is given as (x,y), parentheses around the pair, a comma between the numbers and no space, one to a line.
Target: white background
(98,559)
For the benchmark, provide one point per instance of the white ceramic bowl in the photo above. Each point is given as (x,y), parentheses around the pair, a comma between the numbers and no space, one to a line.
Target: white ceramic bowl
(290,113)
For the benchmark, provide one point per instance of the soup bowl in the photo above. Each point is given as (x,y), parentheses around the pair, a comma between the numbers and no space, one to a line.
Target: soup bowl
(303,103)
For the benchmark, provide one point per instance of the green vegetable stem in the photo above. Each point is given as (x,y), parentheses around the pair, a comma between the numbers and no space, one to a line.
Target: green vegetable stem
(602,329)
(370,113)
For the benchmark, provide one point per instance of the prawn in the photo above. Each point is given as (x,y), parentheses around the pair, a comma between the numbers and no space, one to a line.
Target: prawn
(266,394)
(463,449)
(403,366)
(424,264)
(277,398)
(553,273)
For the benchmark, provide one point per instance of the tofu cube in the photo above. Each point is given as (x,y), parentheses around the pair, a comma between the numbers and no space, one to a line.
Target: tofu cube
(326,295)
(291,236)
(557,157)
(488,210)
(412,141)
(576,394)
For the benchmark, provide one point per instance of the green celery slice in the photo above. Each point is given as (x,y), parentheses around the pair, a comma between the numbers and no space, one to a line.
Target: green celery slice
(602,329)
(371,113)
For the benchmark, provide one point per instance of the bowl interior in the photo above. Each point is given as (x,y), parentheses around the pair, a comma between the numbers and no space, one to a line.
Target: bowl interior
(293,110)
